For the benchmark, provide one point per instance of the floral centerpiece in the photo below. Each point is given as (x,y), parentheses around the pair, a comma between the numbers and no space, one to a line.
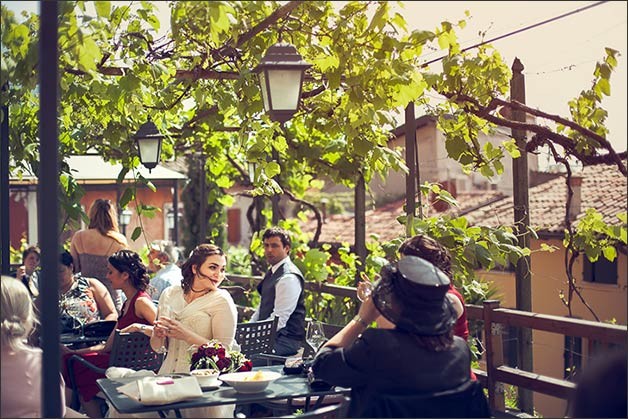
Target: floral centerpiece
(214,355)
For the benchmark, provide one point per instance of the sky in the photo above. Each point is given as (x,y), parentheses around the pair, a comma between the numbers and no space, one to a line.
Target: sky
(558,57)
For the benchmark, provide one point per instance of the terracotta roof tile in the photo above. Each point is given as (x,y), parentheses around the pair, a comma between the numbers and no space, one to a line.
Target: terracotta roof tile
(383,222)
(603,188)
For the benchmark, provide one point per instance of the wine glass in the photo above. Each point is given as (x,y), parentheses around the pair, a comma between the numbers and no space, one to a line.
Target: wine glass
(76,309)
(365,287)
(315,336)
(164,311)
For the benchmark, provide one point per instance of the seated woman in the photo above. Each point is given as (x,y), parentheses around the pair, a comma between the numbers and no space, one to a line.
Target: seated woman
(128,274)
(21,364)
(81,300)
(414,351)
(200,311)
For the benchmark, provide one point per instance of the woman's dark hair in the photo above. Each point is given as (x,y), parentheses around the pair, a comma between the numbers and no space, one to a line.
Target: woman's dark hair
(128,261)
(65,258)
(429,249)
(198,256)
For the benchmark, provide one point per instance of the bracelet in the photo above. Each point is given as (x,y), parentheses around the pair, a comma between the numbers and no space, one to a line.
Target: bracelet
(360,320)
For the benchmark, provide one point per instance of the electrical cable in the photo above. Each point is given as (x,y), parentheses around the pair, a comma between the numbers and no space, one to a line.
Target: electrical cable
(520,30)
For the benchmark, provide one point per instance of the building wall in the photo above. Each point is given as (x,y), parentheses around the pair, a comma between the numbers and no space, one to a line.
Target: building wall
(548,279)
(24,215)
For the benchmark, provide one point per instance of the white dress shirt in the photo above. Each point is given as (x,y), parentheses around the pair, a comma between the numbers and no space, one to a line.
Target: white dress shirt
(287,291)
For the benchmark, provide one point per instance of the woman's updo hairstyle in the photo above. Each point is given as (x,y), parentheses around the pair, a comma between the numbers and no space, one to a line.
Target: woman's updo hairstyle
(17,314)
(198,256)
(130,262)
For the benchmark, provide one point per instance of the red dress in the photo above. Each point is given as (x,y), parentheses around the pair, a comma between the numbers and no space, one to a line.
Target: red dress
(461,328)
(86,378)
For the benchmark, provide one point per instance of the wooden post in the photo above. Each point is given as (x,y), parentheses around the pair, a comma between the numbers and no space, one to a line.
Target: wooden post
(4,188)
(522,222)
(494,357)
(48,221)
(360,225)
(410,134)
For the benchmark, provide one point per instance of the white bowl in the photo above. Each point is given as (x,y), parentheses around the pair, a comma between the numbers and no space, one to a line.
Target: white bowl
(250,381)
(206,377)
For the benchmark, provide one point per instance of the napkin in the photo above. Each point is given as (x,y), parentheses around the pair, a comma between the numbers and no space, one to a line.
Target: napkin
(118,372)
(162,390)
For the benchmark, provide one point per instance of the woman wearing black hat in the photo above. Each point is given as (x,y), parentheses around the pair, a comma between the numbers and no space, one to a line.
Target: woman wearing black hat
(395,369)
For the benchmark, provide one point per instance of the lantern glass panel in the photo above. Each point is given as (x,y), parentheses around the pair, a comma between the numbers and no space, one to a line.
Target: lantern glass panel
(285,86)
(264,86)
(149,150)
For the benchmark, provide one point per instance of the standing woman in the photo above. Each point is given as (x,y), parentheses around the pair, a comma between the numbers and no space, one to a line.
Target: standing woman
(127,273)
(199,311)
(90,248)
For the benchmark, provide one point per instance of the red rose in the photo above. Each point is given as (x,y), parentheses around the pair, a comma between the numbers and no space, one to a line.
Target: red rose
(247,366)
(223,364)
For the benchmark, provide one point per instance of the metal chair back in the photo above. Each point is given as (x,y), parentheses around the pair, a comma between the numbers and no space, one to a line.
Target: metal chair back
(133,350)
(129,350)
(256,338)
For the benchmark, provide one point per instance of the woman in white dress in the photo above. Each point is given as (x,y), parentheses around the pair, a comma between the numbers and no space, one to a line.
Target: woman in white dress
(199,311)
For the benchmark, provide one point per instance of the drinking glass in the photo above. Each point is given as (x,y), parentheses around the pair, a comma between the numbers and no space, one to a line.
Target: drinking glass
(315,336)
(76,309)
(164,311)
(365,287)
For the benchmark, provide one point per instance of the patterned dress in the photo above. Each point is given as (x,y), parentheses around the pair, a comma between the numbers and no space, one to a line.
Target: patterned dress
(77,305)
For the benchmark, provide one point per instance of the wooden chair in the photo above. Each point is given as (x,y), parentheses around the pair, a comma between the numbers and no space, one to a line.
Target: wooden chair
(130,350)
(256,338)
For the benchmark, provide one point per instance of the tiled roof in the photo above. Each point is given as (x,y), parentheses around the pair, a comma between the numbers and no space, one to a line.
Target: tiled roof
(382,221)
(603,188)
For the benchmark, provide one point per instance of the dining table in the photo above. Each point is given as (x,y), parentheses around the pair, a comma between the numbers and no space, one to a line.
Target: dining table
(287,387)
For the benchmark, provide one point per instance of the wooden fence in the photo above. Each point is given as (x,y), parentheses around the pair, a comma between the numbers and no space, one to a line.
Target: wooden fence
(494,318)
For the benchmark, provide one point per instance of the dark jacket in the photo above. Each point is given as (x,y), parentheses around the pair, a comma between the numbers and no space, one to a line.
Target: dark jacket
(384,361)
(295,327)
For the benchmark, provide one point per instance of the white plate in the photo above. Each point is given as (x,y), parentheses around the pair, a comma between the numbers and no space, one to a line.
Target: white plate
(243,382)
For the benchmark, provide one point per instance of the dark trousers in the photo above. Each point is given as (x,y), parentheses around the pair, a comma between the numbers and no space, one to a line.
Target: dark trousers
(285,346)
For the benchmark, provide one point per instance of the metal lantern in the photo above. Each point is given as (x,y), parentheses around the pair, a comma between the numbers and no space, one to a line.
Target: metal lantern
(281,78)
(125,219)
(148,140)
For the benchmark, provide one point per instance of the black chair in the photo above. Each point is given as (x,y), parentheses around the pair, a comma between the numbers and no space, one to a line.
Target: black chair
(465,401)
(129,350)
(256,338)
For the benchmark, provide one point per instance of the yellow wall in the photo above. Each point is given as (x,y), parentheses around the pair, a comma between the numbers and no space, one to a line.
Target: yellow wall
(548,279)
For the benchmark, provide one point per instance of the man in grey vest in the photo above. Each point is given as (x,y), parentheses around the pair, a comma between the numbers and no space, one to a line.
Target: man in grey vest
(282,293)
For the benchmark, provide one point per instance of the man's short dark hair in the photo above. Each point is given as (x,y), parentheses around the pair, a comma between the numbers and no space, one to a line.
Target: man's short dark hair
(278,232)
(29,250)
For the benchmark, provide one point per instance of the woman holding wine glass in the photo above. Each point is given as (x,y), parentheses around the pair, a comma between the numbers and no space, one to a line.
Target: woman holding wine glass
(127,273)
(193,313)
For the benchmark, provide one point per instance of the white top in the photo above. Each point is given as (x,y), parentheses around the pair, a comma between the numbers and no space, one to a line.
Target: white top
(287,291)
(21,384)
(214,316)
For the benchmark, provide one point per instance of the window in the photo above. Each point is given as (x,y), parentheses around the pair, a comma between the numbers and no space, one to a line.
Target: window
(601,272)
(573,356)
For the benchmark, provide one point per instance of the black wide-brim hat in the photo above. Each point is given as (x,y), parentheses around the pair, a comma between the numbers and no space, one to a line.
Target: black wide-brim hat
(412,294)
